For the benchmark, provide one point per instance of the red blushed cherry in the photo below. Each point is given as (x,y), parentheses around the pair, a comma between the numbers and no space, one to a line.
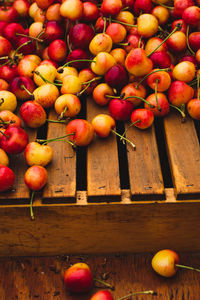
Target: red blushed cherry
(7,178)
(103,124)
(191,15)
(8,14)
(111,7)
(80,132)
(194,40)
(33,114)
(78,278)
(102,295)
(26,46)
(8,72)
(11,31)
(120,109)
(117,77)
(14,140)
(5,46)
(160,103)
(76,55)
(57,50)
(164,262)
(53,31)
(19,85)
(80,36)
(90,12)
(36,177)
(193,108)
(142,5)
(161,59)
(142,118)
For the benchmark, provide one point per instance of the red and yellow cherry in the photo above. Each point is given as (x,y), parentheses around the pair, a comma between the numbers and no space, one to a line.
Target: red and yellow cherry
(32,9)
(90,12)
(4,160)
(46,95)
(163,80)
(102,295)
(57,50)
(33,114)
(120,109)
(194,40)
(67,105)
(180,93)
(53,12)
(89,80)
(133,41)
(103,124)
(78,278)
(78,58)
(11,31)
(7,178)
(142,118)
(8,72)
(177,42)
(26,67)
(36,154)
(191,15)
(125,17)
(153,44)
(9,118)
(161,13)
(101,42)
(117,77)
(19,86)
(66,71)
(161,59)
(119,55)
(102,63)
(14,140)
(117,32)
(133,89)
(47,71)
(22,8)
(44,4)
(160,103)
(71,84)
(80,36)
(8,14)
(5,46)
(184,71)
(193,106)
(111,7)
(72,9)
(101,94)
(3,85)
(142,5)
(80,132)
(137,63)
(36,29)
(179,7)
(8,101)
(147,25)
(53,31)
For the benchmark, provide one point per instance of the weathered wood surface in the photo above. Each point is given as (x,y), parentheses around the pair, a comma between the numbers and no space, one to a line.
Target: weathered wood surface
(62,170)
(99,228)
(102,161)
(184,155)
(42,278)
(144,165)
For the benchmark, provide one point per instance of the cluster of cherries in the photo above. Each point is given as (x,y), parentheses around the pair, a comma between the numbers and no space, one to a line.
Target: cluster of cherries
(79,279)
(138,57)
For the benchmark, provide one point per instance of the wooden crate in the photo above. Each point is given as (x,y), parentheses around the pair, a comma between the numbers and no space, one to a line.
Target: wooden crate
(108,198)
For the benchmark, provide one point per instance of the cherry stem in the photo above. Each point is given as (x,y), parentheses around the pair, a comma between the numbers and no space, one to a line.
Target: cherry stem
(68,44)
(177,27)
(22,45)
(113,96)
(104,25)
(154,71)
(31,205)
(30,37)
(77,60)
(166,6)
(104,283)
(56,121)
(138,293)
(156,95)
(198,77)
(133,123)
(140,40)
(186,267)
(138,97)
(124,23)
(4,57)
(181,111)
(7,136)
(187,40)
(61,116)
(92,80)
(23,87)
(123,44)
(54,139)
(46,80)
(123,138)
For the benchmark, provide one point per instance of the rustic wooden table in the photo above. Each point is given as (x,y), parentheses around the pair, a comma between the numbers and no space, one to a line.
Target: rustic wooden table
(31,278)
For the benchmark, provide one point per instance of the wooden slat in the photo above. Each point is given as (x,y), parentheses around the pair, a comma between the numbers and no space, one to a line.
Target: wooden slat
(102,162)
(144,166)
(184,155)
(62,169)
(19,167)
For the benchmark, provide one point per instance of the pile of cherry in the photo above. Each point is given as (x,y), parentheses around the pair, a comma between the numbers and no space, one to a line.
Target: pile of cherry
(138,57)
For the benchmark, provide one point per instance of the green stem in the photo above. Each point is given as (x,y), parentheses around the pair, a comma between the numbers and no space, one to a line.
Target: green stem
(186,267)
(180,110)
(7,136)
(138,293)
(82,91)
(187,39)
(46,80)
(54,139)
(29,37)
(156,92)
(22,45)
(93,79)
(123,44)
(154,71)
(177,27)
(23,87)
(31,205)
(124,23)
(104,283)
(56,121)
(4,57)
(104,25)
(113,96)
(76,60)
(166,6)
(61,116)
(138,97)
(125,131)
(123,138)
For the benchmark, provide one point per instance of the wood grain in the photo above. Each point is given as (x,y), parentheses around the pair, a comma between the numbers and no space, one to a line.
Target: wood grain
(102,162)
(184,155)
(42,278)
(144,165)
(62,170)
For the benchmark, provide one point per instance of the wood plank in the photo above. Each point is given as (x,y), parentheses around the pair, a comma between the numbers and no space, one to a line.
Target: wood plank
(62,170)
(102,161)
(42,278)
(103,228)
(144,165)
(184,155)
(19,167)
